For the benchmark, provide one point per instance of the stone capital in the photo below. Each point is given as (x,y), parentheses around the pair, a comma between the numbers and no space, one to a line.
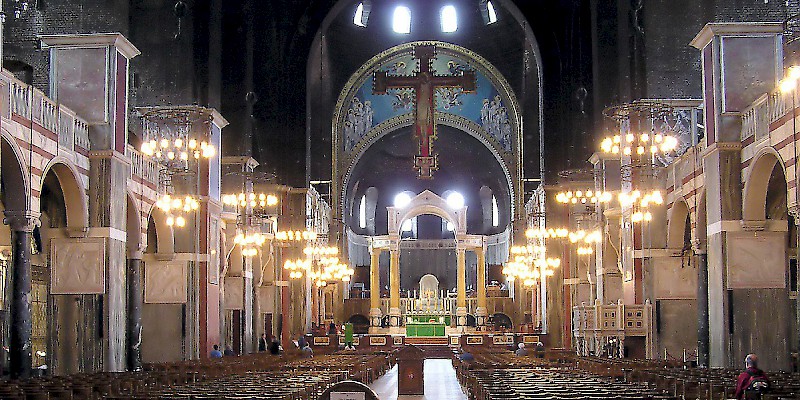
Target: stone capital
(21,221)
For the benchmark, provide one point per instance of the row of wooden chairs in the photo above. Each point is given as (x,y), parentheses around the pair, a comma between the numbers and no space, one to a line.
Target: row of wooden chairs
(198,379)
(554,383)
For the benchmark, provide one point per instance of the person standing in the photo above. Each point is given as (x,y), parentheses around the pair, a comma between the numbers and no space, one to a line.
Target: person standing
(753,382)
(262,342)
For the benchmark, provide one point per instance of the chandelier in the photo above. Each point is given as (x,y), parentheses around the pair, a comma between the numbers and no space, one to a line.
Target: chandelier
(529,264)
(583,197)
(295,236)
(250,242)
(177,208)
(176,137)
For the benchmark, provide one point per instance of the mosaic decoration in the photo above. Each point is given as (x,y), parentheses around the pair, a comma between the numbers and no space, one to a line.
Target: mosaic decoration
(484,107)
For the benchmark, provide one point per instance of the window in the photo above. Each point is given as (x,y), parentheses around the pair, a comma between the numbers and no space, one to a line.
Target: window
(449,19)
(450,226)
(407,226)
(492,12)
(362,212)
(401,23)
(358,17)
(495,212)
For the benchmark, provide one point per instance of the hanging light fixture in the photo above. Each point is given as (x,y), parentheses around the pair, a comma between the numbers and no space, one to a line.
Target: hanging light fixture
(176,137)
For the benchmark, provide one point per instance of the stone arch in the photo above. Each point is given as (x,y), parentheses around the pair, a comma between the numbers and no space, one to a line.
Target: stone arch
(676,225)
(165,236)
(14,177)
(133,225)
(427,202)
(75,200)
(504,320)
(701,222)
(754,204)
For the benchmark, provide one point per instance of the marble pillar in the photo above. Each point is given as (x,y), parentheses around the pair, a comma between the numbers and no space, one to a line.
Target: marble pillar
(481,311)
(702,308)
(394,286)
(21,323)
(375,314)
(461,289)
(134,317)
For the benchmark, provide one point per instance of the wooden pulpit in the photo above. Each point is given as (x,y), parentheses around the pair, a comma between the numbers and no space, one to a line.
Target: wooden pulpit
(410,371)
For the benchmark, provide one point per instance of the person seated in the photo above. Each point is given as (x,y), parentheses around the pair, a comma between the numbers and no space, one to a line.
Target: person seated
(215,353)
(753,382)
(228,351)
(466,356)
(308,351)
(275,347)
(521,351)
(539,350)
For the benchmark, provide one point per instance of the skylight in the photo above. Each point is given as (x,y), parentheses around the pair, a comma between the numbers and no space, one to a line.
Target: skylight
(401,23)
(449,19)
(492,13)
(358,17)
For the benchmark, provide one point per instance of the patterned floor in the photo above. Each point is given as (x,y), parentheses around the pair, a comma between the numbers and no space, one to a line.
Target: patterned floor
(440,383)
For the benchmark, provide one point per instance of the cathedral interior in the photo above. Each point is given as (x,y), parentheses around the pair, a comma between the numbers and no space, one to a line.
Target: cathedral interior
(385,199)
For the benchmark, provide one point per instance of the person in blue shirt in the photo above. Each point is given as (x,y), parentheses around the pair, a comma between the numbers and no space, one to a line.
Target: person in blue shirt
(215,353)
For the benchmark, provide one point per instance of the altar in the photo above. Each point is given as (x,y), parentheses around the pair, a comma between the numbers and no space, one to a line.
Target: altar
(414,329)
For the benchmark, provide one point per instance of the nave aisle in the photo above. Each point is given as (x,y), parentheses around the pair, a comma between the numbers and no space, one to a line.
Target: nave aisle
(440,383)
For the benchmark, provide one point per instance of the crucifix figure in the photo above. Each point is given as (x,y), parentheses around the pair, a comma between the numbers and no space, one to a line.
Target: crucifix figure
(424,84)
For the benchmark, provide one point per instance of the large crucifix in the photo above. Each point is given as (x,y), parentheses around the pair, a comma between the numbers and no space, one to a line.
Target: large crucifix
(424,84)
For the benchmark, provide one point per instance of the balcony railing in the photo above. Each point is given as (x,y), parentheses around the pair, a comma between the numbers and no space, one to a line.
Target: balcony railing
(142,166)
(30,103)
(767,109)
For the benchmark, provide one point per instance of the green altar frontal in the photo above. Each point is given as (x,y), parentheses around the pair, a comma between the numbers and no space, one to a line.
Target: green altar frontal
(426,325)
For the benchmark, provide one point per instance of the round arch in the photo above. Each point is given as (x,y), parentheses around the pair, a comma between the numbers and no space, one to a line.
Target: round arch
(165,243)
(754,204)
(701,221)
(133,225)
(676,226)
(510,161)
(427,202)
(13,175)
(75,200)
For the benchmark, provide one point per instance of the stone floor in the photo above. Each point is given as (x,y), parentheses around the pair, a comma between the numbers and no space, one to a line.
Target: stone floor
(440,383)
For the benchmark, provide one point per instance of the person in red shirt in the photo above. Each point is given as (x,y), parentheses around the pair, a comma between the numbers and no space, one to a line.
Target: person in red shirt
(745,378)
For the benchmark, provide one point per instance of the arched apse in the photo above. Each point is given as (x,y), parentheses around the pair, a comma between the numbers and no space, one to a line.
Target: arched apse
(491,115)
(470,167)
(339,48)
(72,191)
(754,207)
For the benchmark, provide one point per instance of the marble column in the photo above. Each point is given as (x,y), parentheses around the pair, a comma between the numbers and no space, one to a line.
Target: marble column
(248,337)
(375,288)
(134,315)
(481,311)
(21,323)
(394,285)
(461,288)
(702,307)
